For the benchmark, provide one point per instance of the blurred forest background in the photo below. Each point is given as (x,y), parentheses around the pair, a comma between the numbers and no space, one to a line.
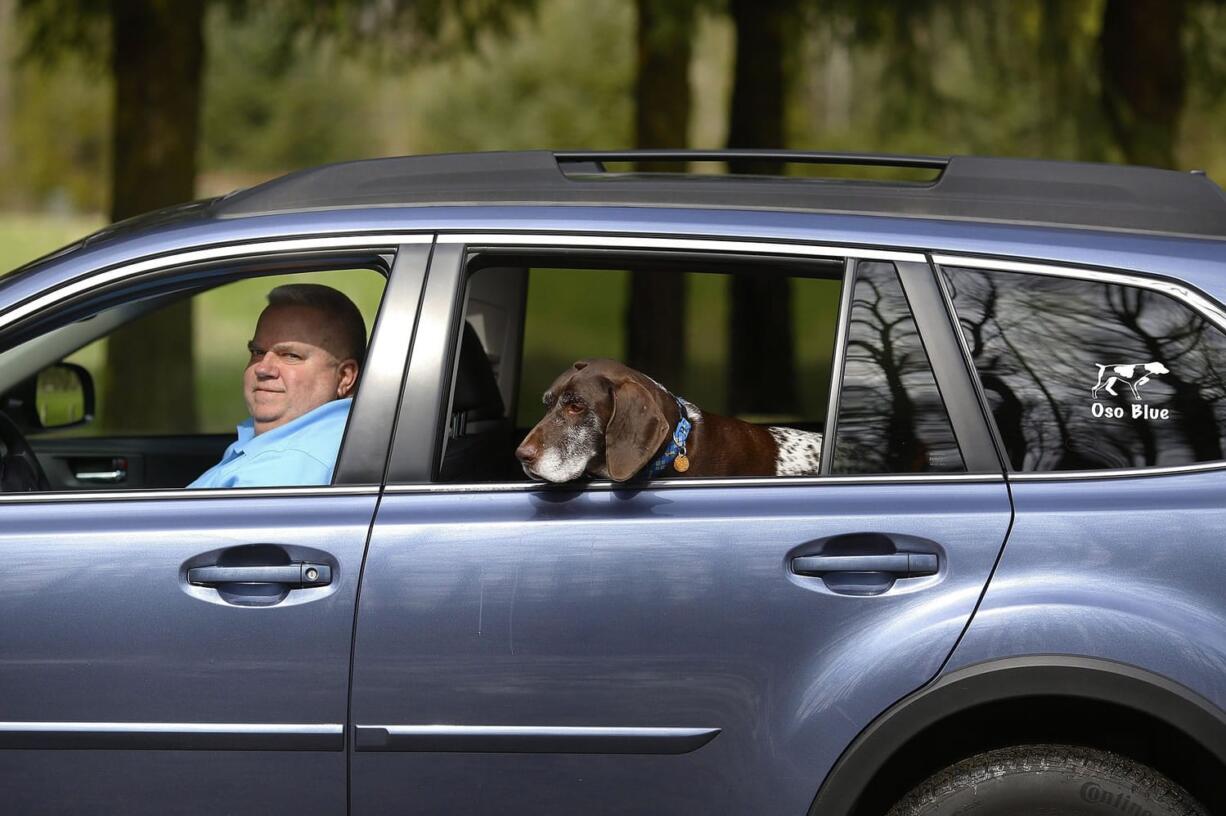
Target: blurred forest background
(109,108)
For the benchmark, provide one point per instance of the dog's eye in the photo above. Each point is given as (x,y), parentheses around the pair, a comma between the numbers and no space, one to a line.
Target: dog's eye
(575,407)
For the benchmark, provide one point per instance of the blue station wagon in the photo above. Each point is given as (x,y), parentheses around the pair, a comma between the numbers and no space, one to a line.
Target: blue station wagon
(998,591)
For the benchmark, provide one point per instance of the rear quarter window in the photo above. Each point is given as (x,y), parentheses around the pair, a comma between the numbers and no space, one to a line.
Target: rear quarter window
(1087,375)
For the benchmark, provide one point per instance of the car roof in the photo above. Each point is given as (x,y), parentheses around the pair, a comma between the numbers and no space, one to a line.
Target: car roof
(1003,190)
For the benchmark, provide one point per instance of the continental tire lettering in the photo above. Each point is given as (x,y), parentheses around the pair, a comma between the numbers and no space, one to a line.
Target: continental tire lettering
(1120,801)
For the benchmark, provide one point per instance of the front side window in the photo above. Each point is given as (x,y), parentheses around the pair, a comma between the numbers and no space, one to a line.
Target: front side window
(277,363)
(891,415)
(1086,375)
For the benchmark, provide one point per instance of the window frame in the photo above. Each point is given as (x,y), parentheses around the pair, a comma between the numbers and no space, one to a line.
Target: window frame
(402,256)
(419,438)
(936,331)
(1182,293)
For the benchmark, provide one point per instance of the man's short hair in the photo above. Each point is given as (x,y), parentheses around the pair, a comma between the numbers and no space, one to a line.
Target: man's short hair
(333,303)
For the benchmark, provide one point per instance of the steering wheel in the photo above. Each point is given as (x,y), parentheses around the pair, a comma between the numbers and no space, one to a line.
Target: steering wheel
(20,471)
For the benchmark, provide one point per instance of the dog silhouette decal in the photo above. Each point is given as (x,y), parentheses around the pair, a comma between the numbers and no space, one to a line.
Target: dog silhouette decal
(1134,374)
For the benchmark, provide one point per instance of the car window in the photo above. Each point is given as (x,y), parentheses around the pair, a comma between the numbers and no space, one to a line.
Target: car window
(233,403)
(223,319)
(891,415)
(566,312)
(1083,374)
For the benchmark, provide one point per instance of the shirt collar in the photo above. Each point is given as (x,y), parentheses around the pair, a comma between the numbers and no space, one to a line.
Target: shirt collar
(250,444)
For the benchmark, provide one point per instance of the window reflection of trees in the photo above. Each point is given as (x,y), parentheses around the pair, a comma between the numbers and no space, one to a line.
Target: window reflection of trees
(891,417)
(1037,342)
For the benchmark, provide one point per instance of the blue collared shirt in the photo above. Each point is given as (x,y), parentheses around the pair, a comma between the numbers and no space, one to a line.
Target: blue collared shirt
(300,452)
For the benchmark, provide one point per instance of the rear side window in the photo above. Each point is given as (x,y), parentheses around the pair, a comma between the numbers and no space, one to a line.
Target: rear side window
(891,416)
(527,324)
(1083,375)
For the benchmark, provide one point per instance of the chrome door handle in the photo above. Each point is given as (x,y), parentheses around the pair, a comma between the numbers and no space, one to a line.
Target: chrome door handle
(901,565)
(294,576)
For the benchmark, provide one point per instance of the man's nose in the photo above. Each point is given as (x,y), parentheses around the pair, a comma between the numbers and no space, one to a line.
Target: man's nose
(266,367)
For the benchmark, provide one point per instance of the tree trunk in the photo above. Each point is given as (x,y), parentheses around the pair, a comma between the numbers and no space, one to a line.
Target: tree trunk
(157,56)
(1141,68)
(762,375)
(655,314)
(8,19)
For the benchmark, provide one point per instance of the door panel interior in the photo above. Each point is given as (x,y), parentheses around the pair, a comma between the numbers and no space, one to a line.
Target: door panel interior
(127,463)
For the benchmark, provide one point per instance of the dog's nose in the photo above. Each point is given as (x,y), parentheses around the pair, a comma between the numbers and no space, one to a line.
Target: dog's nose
(527,453)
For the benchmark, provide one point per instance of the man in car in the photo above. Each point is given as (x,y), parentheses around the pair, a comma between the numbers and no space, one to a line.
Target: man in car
(309,345)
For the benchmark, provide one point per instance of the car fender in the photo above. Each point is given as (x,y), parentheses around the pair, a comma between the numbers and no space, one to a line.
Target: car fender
(1011,679)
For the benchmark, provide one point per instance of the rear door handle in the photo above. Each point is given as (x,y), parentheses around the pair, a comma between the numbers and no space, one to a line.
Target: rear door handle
(901,565)
(295,576)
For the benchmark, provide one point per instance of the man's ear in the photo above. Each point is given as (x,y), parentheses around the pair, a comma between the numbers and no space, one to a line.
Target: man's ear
(635,431)
(347,371)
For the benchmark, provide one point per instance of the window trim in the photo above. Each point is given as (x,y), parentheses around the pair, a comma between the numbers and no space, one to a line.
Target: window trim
(413,462)
(1186,295)
(837,365)
(605,486)
(104,277)
(161,493)
(955,382)
(740,247)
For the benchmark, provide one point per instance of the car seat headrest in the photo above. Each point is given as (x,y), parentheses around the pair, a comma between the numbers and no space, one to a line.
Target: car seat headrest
(476,389)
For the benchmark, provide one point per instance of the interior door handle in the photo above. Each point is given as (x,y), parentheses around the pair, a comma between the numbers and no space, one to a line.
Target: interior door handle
(901,565)
(101,475)
(100,471)
(295,576)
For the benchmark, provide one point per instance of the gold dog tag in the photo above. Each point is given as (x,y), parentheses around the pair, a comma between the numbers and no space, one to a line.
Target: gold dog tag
(681,464)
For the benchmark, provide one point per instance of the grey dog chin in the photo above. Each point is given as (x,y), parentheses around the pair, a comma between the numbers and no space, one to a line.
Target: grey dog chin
(539,477)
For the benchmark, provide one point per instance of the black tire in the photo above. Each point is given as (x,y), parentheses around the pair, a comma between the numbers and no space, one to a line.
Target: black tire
(1047,780)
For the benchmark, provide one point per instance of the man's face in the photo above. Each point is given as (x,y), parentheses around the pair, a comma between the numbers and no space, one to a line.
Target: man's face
(296,365)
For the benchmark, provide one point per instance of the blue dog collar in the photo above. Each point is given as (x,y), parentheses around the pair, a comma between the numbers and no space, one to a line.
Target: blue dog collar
(675,449)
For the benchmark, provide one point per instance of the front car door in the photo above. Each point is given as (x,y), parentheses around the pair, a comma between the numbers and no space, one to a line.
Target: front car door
(659,647)
(128,686)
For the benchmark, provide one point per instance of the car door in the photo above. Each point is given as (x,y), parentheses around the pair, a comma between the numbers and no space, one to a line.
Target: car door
(146,668)
(683,646)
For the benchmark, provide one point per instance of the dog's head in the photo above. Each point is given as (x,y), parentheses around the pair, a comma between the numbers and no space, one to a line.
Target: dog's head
(601,419)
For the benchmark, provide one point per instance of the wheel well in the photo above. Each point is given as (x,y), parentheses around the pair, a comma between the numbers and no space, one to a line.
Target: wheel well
(1047,719)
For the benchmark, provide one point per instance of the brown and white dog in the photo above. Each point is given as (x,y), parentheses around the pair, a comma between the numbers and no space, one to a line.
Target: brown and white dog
(606,420)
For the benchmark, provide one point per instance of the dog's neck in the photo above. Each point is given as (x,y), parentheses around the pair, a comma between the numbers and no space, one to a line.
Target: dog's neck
(673,458)
(717,445)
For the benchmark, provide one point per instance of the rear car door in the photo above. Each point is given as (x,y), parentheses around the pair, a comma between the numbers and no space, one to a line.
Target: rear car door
(129,686)
(678,646)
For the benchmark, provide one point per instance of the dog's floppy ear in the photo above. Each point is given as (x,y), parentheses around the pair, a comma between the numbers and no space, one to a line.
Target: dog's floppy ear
(635,431)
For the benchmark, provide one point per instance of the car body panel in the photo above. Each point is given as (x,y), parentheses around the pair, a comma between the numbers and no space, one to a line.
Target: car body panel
(648,608)
(101,627)
(1127,569)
